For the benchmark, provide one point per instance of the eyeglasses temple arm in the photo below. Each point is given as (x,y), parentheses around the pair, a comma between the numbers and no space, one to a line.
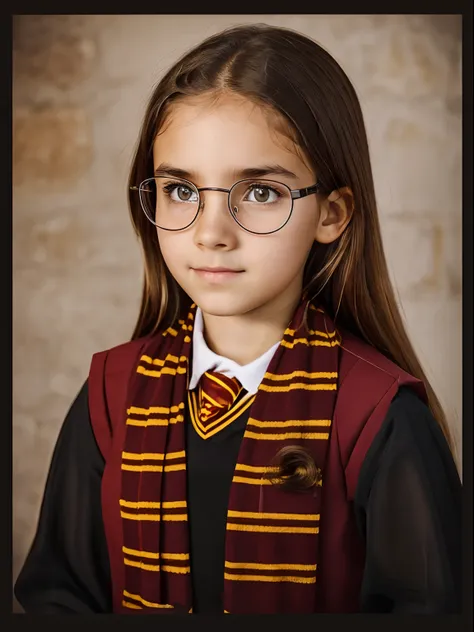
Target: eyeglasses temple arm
(300,193)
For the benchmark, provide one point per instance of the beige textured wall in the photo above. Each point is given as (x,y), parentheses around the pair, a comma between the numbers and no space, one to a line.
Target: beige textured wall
(80,88)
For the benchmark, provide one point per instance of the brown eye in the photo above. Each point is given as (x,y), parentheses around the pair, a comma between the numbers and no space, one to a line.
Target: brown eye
(261,194)
(180,193)
(184,193)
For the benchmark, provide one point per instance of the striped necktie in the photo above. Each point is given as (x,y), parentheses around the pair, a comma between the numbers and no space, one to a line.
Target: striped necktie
(217,393)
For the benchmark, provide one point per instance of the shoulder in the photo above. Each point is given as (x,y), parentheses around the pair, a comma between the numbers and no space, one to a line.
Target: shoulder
(357,352)
(119,358)
(130,347)
(364,369)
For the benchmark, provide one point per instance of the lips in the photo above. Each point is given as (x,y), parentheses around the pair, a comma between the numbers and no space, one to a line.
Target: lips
(218,269)
(218,275)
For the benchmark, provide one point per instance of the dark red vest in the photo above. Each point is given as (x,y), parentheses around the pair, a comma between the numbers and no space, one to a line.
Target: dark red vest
(367,384)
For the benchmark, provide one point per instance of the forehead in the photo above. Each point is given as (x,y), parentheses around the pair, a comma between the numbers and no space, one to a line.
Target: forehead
(216,137)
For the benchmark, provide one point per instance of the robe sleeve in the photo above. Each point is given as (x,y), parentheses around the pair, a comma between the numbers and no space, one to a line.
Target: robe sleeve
(67,568)
(408,507)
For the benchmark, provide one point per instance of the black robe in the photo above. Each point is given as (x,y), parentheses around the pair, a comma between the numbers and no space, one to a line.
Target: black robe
(407,506)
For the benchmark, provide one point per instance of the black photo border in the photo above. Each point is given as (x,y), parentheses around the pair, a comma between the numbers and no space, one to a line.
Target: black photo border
(452,623)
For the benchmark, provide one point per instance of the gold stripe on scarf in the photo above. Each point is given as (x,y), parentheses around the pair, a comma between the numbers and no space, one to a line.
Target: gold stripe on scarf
(271,529)
(271,567)
(136,552)
(251,481)
(272,516)
(155,556)
(258,469)
(155,517)
(154,422)
(290,422)
(294,386)
(149,604)
(134,410)
(288,376)
(164,371)
(309,343)
(128,604)
(312,332)
(154,468)
(145,504)
(324,436)
(183,570)
(271,578)
(156,456)
(185,327)
(142,565)
(159,362)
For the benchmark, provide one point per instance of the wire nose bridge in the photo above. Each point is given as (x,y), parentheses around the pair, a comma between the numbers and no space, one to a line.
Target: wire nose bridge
(220,189)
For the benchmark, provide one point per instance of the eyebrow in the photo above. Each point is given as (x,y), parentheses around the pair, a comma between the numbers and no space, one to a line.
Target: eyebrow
(165,169)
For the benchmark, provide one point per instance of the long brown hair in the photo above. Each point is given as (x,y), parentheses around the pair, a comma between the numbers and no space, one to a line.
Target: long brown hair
(291,75)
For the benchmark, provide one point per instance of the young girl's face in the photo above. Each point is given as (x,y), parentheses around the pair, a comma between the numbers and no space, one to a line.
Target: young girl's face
(213,144)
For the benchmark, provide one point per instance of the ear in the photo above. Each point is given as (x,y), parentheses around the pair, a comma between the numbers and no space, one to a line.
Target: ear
(335,213)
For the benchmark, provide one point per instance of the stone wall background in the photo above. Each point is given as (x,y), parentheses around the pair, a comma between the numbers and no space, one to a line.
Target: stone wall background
(80,85)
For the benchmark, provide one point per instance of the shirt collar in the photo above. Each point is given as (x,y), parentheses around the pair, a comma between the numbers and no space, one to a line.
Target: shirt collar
(203,359)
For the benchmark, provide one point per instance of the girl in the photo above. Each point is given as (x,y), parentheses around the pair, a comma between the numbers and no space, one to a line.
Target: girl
(267,442)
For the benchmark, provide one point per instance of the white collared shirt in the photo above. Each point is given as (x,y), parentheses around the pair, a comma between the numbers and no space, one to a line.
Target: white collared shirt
(250,375)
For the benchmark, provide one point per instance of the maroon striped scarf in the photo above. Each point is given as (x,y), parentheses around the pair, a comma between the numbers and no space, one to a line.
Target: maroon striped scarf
(271,553)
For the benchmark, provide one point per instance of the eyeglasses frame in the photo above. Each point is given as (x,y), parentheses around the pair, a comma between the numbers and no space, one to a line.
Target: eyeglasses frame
(295,194)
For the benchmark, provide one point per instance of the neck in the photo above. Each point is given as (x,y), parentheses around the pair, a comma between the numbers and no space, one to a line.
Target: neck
(245,337)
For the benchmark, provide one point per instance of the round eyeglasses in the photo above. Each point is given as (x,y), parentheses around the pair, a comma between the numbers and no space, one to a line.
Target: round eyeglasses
(258,206)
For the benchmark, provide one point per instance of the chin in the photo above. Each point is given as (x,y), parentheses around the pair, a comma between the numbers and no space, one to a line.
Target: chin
(220,307)
(229,305)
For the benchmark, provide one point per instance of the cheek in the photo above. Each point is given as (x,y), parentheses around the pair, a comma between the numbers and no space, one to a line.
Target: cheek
(288,249)
(173,248)
(286,256)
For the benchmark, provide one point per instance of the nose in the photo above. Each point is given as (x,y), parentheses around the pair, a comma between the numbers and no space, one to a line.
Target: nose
(214,227)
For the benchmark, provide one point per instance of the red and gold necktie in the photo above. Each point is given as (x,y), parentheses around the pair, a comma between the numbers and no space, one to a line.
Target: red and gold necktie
(217,402)
(217,394)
